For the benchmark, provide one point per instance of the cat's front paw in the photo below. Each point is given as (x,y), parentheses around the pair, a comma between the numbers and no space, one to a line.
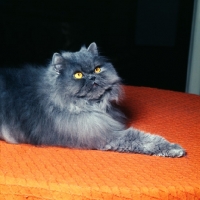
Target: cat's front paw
(172,150)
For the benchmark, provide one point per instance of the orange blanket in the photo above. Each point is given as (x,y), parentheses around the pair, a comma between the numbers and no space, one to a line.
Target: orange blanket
(47,173)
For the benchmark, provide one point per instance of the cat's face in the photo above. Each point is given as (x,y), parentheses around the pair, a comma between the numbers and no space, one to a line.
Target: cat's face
(84,74)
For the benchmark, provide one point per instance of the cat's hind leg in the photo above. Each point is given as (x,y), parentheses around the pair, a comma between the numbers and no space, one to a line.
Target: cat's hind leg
(5,134)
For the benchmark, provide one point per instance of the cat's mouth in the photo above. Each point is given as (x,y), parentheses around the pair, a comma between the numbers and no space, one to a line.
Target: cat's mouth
(89,90)
(95,84)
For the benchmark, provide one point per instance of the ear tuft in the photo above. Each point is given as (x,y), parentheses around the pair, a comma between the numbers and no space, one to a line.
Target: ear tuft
(93,48)
(57,62)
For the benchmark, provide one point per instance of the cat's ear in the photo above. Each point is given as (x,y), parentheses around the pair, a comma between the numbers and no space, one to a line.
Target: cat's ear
(57,62)
(93,48)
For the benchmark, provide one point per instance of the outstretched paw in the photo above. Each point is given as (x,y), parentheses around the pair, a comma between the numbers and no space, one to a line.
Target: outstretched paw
(172,150)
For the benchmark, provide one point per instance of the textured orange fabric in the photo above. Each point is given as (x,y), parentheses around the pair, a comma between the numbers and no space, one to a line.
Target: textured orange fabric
(52,173)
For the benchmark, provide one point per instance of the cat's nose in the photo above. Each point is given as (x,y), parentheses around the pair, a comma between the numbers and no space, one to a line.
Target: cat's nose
(92,78)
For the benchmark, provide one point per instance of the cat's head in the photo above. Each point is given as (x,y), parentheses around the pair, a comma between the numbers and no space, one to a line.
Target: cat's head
(85,74)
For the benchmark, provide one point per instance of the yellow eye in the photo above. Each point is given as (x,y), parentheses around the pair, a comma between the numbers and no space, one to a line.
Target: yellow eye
(78,75)
(97,70)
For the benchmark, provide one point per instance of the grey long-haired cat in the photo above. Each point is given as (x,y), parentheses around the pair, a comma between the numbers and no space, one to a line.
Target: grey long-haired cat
(71,104)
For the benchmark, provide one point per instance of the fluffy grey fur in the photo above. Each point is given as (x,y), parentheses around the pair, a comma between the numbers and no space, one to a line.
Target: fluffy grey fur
(50,106)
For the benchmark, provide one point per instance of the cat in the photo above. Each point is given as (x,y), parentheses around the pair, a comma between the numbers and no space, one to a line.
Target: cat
(71,103)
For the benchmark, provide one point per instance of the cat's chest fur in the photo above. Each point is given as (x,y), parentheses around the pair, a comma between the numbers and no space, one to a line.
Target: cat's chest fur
(81,105)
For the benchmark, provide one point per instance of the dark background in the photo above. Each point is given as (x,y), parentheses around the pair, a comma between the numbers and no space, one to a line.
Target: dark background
(146,40)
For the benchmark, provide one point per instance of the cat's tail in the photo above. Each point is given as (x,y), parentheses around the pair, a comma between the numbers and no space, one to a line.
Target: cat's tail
(136,141)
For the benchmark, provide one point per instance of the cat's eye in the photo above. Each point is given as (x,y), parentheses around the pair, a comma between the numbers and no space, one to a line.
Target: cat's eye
(97,70)
(78,75)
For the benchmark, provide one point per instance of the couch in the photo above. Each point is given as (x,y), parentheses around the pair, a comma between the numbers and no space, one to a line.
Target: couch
(54,173)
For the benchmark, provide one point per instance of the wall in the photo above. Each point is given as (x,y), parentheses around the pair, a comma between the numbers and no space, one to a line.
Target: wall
(193,75)
(147,40)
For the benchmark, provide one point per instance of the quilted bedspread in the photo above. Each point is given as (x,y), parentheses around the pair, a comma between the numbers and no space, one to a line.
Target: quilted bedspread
(53,173)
